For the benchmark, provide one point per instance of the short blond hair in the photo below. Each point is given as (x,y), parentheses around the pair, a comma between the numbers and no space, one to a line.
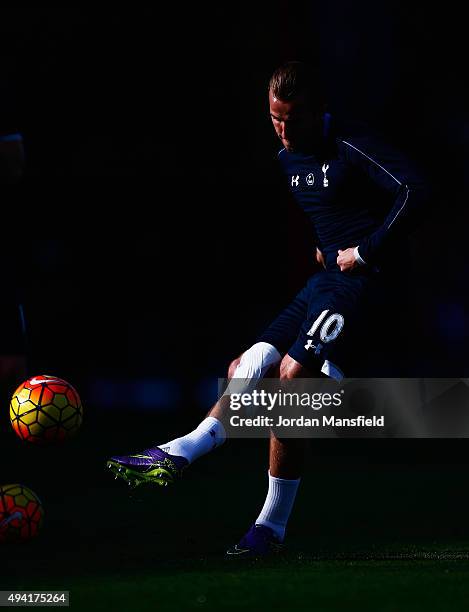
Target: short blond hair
(294,79)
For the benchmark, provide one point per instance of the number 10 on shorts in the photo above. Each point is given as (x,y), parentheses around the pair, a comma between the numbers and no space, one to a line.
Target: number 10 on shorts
(330,328)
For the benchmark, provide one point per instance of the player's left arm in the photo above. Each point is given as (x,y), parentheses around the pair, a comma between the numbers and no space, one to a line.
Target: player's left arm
(397,175)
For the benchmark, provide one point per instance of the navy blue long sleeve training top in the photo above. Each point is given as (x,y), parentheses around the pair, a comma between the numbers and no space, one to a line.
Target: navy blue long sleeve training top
(356,191)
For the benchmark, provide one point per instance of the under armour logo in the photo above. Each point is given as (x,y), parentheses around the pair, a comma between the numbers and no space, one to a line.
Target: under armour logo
(318,349)
(309,345)
(295,180)
(325,168)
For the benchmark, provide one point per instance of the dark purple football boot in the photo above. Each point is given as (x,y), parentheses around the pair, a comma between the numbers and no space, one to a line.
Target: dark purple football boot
(259,541)
(153,466)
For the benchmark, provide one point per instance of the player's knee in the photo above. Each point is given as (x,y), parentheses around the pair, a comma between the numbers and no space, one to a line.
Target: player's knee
(290,368)
(255,362)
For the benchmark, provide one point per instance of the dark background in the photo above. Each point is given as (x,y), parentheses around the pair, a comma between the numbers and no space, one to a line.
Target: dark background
(149,240)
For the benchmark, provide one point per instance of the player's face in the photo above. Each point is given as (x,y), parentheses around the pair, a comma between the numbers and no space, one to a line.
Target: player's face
(295,123)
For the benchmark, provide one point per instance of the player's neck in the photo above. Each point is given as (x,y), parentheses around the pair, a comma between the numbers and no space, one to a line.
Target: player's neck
(313,143)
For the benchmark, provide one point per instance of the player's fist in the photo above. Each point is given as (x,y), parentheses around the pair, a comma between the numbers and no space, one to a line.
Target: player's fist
(346,260)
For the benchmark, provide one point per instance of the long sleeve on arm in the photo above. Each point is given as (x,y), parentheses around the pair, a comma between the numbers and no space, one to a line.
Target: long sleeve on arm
(395,174)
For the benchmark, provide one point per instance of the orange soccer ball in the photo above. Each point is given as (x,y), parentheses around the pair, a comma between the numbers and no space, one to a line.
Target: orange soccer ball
(45,409)
(21,514)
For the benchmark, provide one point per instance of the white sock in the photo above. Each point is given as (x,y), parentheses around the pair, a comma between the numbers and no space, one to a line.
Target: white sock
(207,436)
(278,505)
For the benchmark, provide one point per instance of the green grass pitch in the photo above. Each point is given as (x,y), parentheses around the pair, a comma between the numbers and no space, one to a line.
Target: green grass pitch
(363,536)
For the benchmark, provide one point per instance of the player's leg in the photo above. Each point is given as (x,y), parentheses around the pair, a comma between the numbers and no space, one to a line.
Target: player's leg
(286,462)
(317,351)
(164,463)
(247,370)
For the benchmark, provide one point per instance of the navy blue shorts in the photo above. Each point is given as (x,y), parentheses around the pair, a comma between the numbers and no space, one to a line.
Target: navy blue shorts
(329,323)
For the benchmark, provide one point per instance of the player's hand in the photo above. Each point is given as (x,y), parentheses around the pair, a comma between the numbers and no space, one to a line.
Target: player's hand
(320,258)
(346,260)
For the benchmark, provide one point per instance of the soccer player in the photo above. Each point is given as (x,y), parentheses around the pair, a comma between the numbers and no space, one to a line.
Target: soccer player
(362,198)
